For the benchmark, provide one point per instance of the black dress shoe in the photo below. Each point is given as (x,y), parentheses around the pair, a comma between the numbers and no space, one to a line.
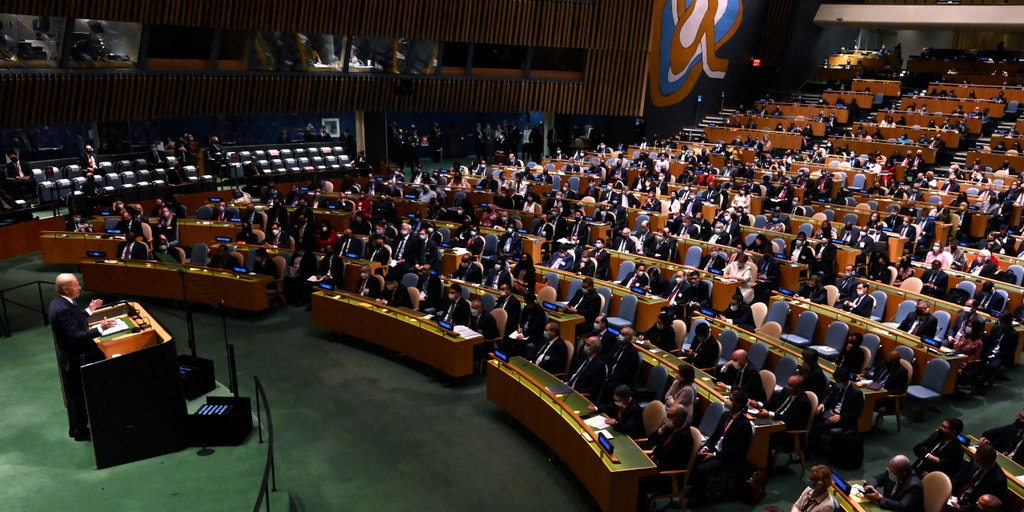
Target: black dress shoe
(83,437)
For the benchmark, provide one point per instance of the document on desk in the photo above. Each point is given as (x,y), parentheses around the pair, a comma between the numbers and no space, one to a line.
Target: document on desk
(466,332)
(597,422)
(119,325)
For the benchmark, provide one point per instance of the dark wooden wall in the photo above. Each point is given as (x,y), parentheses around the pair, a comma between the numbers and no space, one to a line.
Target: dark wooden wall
(614,33)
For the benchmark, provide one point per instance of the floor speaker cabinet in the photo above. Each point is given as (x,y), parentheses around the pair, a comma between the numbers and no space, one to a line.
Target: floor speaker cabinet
(223,421)
(197,377)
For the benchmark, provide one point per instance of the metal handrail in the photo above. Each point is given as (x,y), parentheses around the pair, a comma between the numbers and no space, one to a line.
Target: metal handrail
(5,325)
(269,473)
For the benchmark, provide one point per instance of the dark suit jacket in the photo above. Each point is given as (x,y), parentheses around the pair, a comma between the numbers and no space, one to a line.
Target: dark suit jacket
(399,297)
(587,304)
(847,287)
(795,416)
(909,496)
(591,378)
(896,380)
(630,420)
(864,307)
(751,381)
(622,367)
(941,282)
(139,251)
(927,327)
(1003,439)
(512,308)
(736,440)
(705,352)
(72,334)
(12,172)
(852,405)
(516,248)
(484,324)
(460,315)
(372,286)
(642,279)
(816,295)
(742,317)
(553,361)
(671,448)
(951,455)
(992,482)
(531,321)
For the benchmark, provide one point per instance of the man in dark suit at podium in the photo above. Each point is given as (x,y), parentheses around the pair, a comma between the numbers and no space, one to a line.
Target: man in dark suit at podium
(75,348)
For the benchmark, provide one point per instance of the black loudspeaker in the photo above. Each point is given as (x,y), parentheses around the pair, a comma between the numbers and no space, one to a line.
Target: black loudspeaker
(223,421)
(196,376)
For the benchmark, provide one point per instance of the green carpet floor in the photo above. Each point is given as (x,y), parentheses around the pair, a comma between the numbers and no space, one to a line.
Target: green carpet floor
(358,429)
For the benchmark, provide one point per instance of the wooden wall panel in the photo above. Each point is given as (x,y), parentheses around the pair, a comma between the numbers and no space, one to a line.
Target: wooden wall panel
(614,33)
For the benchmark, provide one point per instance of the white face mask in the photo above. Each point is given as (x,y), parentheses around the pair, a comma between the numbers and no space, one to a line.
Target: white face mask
(324,229)
(861,292)
(474,312)
(452,296)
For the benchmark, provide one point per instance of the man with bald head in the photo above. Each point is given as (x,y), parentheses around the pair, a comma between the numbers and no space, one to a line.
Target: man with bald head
(791,407)
(896,488)
(738,373)
(76,347)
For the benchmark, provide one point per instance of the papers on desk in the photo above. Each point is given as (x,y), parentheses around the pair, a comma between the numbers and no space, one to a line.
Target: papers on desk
(119,325)
(560,389)
(466,332)
(459,251)
(597,422)
(315,279)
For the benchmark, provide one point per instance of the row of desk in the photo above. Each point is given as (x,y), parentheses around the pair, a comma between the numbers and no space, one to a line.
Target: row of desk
(915,118)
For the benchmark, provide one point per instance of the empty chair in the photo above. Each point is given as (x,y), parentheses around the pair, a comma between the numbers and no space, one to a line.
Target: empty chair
(771,330)
(858,181)
(871,342)
(804,332)
(757,354)
(657,381)
(851,218)
(943,323)
(546,294)
(693,256)
(605,292)
(727,345)
(932,382)
(968,286)
(626,268)
(627,312)
(912,285)
(998,302)
(709,422)
(204,213)
(835,341)
(937,490)
(778,313)
(879,309)
(200,251)
(759,310)
(807,229)
(760,221)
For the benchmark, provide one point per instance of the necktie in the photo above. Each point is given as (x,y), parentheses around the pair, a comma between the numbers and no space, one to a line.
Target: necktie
(540,356)
(672,296)
(127,250)
(622,245)
(785,405)
(913,328)
(969,486)
(451,311)
(579,371)
(1016,446)
(401,250)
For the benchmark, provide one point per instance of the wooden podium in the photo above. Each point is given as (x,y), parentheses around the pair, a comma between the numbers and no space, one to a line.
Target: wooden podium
(134,396)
